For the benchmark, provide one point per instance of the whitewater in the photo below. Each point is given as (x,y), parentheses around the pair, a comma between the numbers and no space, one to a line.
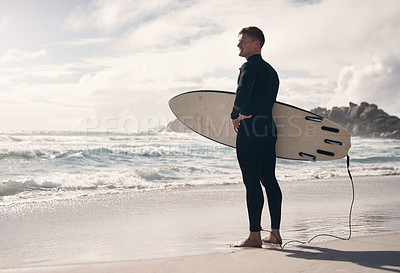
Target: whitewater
(42,166)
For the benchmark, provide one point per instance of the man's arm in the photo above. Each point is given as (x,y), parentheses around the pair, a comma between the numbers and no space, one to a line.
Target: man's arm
(247,78)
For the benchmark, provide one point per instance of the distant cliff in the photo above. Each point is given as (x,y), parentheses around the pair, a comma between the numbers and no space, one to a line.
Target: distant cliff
(177,126)
(365,120)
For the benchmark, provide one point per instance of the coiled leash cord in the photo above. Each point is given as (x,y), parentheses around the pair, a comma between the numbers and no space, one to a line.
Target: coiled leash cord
(328,235)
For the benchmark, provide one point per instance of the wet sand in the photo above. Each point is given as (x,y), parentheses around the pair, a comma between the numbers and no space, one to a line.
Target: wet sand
(379,253)
(190,229)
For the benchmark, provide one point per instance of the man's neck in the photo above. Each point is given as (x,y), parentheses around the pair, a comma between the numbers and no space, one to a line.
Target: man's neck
(256,53)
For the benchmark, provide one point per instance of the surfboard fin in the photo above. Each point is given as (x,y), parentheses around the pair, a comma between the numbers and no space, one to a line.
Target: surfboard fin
(308,156)
(333,142)
(330,129)
(317,119)
(327,153)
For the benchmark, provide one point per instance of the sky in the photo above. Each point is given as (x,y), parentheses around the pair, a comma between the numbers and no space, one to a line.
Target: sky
(114,64)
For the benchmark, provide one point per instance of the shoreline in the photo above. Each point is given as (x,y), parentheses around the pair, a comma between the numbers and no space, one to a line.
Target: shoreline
(186,222)
(79,196)
(360,254)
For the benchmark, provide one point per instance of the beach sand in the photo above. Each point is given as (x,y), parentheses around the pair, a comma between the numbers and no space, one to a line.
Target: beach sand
(190,229)
(379,253)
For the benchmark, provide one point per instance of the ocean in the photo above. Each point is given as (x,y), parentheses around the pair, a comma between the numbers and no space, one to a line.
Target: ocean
(43,166)
(77,197)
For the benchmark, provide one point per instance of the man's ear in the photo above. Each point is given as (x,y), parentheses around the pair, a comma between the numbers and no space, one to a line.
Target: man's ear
(256,43)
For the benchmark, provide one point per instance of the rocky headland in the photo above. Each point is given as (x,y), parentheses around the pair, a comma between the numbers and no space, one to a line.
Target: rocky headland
(177,126)
(365,120)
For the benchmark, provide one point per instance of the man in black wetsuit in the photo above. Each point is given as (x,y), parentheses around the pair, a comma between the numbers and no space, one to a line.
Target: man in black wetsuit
(256,93)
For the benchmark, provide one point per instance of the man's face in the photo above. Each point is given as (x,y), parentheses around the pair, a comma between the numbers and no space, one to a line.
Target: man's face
(247,46)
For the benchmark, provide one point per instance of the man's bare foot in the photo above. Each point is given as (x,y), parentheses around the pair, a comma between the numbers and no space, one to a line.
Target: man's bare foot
(274,237)
(248,243)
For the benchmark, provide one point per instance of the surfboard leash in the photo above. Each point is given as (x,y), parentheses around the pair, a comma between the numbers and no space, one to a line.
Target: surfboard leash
(329,235)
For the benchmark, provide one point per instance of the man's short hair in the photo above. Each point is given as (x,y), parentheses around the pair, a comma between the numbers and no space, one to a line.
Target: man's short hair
(254,32)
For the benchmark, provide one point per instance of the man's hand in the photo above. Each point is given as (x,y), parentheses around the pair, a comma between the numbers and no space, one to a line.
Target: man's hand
(236,122)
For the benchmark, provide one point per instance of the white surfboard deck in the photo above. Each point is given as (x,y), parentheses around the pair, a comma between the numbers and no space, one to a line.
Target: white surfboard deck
(302,135)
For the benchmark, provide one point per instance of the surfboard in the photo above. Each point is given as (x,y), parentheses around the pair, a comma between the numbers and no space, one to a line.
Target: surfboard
(302,135)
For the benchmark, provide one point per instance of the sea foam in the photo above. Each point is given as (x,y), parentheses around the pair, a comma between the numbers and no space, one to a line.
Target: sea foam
(46,165)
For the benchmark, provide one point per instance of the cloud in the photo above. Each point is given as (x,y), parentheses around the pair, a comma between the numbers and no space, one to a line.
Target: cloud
(194,47)
(84,42)
(322,38)
(111,15)
(128,58)
(174,35)
(18,55)
(377,82)
(4,21)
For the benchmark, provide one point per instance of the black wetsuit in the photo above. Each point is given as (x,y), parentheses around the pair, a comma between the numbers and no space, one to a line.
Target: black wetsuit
(256,93)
